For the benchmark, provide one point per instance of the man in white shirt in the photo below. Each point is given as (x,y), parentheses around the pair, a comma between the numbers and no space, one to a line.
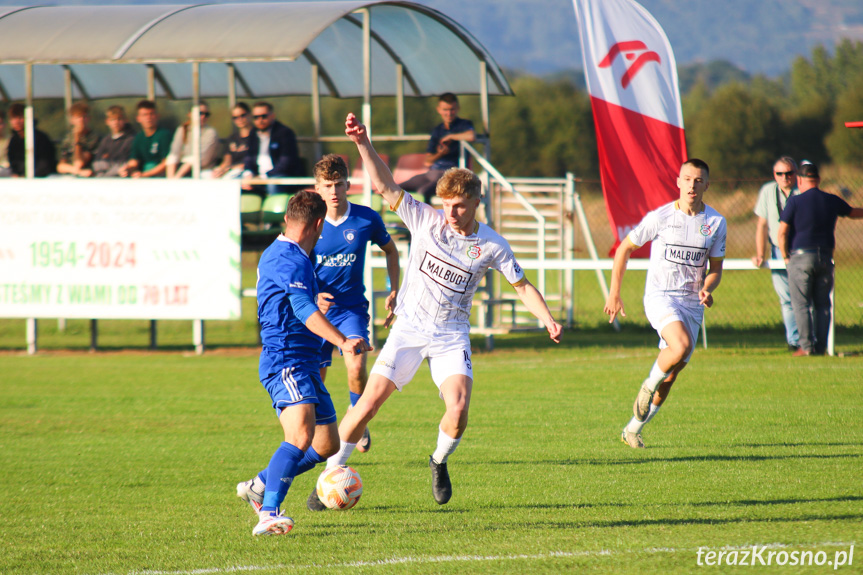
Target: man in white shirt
(771,201)
(688,241)
(450,253)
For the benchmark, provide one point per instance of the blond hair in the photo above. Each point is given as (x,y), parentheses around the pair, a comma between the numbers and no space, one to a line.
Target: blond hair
(459,182)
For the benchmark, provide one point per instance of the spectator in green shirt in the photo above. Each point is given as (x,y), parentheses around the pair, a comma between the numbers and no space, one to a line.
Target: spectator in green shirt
(150,147)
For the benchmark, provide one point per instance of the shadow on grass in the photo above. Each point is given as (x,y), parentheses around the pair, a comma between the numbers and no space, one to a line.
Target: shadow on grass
(680,459)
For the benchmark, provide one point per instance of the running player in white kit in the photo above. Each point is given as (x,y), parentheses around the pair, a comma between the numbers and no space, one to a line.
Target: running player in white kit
(685,267)
(450,253)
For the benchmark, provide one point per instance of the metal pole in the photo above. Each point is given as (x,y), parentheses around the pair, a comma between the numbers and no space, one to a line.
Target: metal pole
(67,88)
(94,335)
(400,100)
(569,247)
(198,335)
(591,249)
(151,82)
(196,120)
(316,109)
(29,126)
(29,172)
(232,87)
(483,91)
(368,276)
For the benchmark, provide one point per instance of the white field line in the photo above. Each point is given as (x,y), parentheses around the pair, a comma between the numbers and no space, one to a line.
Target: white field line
(478,558)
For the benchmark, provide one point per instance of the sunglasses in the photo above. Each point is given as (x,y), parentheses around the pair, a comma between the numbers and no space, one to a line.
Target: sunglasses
(205,114)
(789,173)
(240,116)
(261,116)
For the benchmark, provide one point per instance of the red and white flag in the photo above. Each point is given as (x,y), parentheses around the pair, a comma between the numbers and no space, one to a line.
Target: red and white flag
(632,79)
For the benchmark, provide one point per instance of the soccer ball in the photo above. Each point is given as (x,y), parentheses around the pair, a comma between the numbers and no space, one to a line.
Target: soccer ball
(340,487)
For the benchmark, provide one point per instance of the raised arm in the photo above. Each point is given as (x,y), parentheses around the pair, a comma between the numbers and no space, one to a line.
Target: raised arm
(382,178)
(614,305)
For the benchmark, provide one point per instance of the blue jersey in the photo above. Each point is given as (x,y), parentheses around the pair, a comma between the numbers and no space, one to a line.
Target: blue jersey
(284,270)
(340,254)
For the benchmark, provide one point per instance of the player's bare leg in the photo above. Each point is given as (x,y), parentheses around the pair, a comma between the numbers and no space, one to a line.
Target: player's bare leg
(456,392)
(649,400)
(357,378)
(679,346)
(378,389)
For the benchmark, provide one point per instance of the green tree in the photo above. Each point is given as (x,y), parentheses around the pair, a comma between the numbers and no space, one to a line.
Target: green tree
(737,133)
(846,145)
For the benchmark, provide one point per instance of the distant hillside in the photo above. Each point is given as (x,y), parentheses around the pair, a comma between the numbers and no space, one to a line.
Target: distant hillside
(762,36)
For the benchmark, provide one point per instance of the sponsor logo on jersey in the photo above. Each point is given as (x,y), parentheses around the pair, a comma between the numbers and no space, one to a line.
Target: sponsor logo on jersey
(298,285)
(474,252)
(516,268)
(705,230)
(336,260)
(685,255)
(350,235)
(445,274)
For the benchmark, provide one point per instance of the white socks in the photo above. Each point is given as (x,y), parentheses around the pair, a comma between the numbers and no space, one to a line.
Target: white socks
(635,426)
(655,377)
(445,446)
(342,455)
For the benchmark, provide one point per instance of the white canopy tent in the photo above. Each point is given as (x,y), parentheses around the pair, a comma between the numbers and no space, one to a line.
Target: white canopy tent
(341,48)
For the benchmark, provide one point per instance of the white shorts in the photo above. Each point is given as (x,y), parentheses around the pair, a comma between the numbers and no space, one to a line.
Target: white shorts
(662,310)
(447,353)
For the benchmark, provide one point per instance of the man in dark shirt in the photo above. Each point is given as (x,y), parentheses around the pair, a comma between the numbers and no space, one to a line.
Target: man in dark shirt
(442,152)
(273,151)
(45,154)
(806,239)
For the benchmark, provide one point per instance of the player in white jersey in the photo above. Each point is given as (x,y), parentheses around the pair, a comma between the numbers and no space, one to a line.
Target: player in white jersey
(450,253)
(685,267)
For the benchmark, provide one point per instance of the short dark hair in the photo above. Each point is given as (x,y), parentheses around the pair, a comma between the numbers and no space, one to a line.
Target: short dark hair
(331,168)
(266,105)
(449,98)
(146,105)
(696,163)
(810,171)
(243,106)
(16,111)
(306,208)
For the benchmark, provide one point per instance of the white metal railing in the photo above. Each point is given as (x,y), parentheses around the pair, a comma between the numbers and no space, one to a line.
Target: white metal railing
(502,181)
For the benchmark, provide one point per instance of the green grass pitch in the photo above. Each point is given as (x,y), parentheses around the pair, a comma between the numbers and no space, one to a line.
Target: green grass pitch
(121,463)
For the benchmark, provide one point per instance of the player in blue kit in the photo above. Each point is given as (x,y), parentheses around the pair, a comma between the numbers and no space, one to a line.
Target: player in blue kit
(291,330)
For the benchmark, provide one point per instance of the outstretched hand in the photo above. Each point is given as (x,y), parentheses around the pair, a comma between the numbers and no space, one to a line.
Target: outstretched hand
(555,331)
(705,298)
(614,306)
(354,129)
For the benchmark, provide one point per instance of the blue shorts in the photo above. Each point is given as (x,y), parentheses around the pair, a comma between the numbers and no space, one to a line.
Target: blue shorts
(296,385)
(352,321)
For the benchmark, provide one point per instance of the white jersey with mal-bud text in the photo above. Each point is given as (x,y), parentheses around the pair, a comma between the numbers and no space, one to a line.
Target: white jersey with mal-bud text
(682,246)
(445,268)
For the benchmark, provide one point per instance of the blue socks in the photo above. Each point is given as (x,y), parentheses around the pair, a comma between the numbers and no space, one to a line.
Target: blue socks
(355,397)
(308,461)
(280,474)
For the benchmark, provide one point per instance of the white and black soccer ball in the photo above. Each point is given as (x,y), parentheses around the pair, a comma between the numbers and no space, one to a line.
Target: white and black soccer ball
(339,487)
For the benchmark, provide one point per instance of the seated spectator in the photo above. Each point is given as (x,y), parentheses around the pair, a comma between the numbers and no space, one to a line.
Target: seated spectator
(80,143)
(5,171)
(182,156)
(442,152)
(273,151)
(237,144)
(114,149)
(45,154)
(150,146)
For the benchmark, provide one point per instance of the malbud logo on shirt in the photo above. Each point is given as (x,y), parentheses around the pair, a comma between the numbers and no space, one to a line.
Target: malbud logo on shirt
(685,255)
(447,275)
(474,252)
